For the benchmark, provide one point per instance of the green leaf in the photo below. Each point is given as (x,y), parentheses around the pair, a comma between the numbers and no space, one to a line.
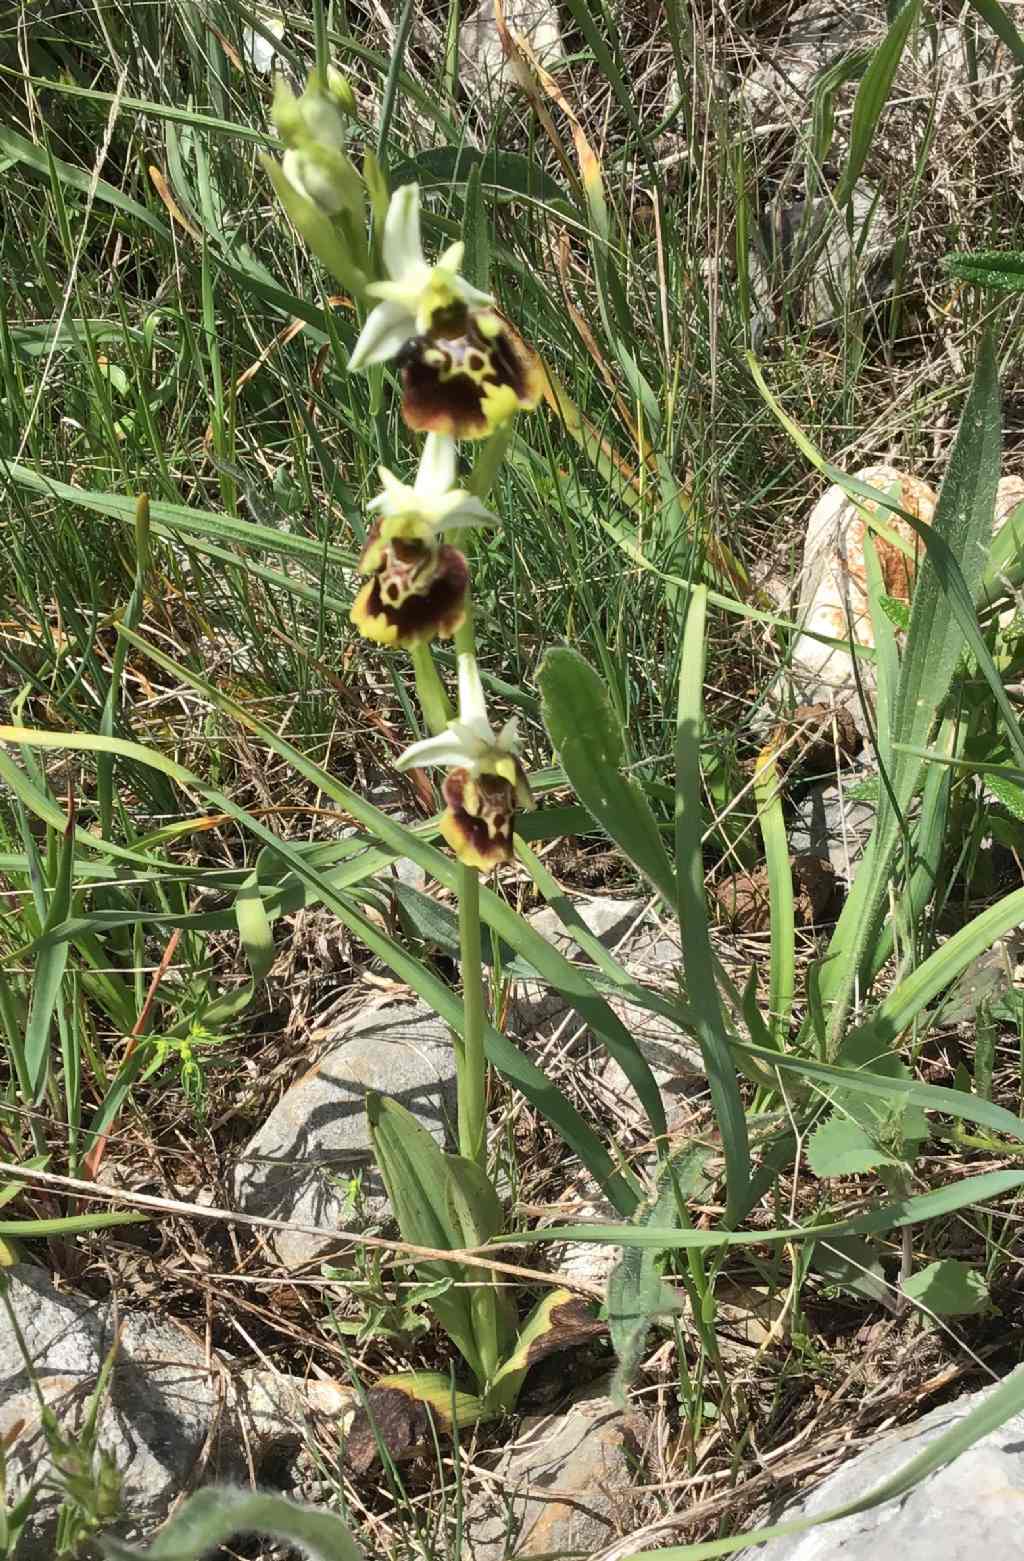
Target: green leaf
(961,535)
(587,736)
(178,521)
(1001,269)
(896,610)
(998,19)
(416,1175)
(852,1263)
(840,1147)
(476,262)
(1009,793)
(782,987)
(49,974)
(637,1293)
(949,1288)
(891,1214)
(872,95)
(692,913)
(518,1069)
(70,1225)
(211,1517)
(475,1217)
(507,173)
(254,928)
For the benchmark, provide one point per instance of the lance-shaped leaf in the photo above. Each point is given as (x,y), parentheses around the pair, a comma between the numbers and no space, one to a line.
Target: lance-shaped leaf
(417,1175)
(559,1321)
(637,1293)
(211,1517)
(476,1217)
(587,736)
(401,1414)
(49,974)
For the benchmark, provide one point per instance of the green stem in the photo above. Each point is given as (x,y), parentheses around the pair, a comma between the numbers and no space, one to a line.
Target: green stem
(472,1068)
(430,691)
(488,461)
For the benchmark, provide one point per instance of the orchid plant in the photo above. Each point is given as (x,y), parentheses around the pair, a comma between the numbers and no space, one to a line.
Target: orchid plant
(464,373)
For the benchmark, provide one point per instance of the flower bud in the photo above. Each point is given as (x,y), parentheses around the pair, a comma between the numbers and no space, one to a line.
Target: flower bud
(340,89)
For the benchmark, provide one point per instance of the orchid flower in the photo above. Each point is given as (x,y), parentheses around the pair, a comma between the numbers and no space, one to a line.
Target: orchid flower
(486,782)
(418,582)
(415,291)
(464,369)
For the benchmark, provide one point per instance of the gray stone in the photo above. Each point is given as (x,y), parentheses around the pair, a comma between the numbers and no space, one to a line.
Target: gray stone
(807,257)
(170,1419)
(311,1162)
(563,1486)
(162,1404)
(829,823)
(968,1511)
(781,84)
(648,950)
(609,919)
(481,56)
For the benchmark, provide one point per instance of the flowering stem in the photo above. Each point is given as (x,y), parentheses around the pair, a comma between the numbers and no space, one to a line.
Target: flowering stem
(430,691)
(472,1068)
(488,462)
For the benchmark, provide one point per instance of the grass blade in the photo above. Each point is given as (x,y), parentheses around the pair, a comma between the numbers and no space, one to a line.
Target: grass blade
(698,960)
(872,95)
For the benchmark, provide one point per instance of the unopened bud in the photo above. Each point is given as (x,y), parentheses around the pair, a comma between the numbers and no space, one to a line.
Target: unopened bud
(340,89)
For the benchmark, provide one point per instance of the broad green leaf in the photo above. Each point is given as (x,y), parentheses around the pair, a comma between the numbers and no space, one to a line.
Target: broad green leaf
(503,172)
(211,1517)
(587,737)
(853,1264)
(473,1207)
(1002,269)
(254,928)
(949,1288)
(841,1147)
(416,1176)
(691,909)
(1010,794)
(475,1217)
(637,1292)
